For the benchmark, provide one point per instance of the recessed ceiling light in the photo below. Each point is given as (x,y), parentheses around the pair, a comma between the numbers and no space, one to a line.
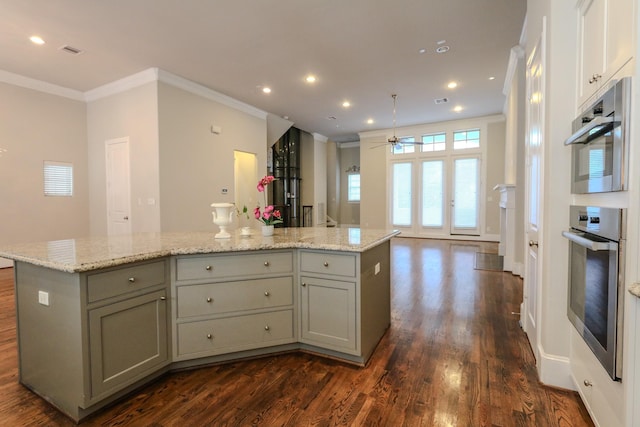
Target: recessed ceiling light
(346,104)
(310,78)
(36,40)
(492,78)
(452,85)
(423,50)
(439,42)
(442,49)
(457,108)
(266,89)
(370,121)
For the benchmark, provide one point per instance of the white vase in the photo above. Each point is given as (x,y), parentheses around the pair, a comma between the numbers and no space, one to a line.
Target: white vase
(222,217)
(267,230)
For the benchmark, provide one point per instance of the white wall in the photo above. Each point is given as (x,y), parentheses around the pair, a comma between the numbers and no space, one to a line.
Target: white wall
(132,113)
(313,170)
(349,213)
(333,180)
(196,164)
(320,180)
(35,127)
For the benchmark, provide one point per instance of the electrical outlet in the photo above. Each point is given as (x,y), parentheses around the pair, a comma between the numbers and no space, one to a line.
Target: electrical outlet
(225,191)
(43,298)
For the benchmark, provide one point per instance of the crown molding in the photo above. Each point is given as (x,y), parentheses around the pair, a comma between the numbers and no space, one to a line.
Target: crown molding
(516,54)
(124,84)
(205,92)
(319,138)
(156,74)
(351,144)
(40,86)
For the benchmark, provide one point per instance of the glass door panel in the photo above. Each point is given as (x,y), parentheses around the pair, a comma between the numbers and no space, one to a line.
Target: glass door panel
(466,180)
(401,211)
(433,193)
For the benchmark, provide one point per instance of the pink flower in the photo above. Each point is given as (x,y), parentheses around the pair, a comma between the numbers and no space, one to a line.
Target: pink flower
(256,212)
(276,213)
(268,179)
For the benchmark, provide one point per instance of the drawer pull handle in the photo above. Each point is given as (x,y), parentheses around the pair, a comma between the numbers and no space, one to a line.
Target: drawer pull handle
(326,264)
(163,298)
(132,279)
(266,328)
(209,336)
(304,284)
(208,268)
(209,299)
(588,383)
(266,293)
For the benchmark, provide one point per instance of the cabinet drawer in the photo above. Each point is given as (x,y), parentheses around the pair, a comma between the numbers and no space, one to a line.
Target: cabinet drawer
(218,266)
(238,333)
(127,279)
(328,263)
(217,298)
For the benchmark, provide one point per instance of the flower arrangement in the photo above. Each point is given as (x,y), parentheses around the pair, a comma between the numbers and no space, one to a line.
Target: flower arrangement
(270,215)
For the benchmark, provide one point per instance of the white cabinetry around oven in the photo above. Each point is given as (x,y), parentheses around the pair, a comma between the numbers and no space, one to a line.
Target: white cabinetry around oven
(602,396)
(232,302)
(605,43)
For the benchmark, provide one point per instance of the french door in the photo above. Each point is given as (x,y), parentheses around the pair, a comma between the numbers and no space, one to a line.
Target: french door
(436,196)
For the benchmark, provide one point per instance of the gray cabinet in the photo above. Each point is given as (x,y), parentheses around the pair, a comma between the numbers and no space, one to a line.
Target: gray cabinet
(226,303)
(328,311)
(85,339)
(127,339)
(344,301)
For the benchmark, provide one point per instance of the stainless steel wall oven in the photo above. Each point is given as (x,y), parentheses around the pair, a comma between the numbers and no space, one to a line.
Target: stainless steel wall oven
(596,268)
(599,153)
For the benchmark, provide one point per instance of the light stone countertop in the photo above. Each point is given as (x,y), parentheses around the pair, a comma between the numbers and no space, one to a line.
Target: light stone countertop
(92,253)
(635,289)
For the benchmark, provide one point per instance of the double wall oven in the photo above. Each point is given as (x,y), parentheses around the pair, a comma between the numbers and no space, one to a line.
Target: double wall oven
(599,164)
(595,298)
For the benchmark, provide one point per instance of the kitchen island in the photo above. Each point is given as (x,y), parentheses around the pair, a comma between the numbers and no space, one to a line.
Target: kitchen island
(98,317)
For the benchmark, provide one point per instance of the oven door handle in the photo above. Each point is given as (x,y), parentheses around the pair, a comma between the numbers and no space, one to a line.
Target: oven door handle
(588,243)
(596,127)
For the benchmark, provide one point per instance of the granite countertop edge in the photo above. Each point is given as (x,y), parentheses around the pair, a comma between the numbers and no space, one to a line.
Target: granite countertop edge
(236,244)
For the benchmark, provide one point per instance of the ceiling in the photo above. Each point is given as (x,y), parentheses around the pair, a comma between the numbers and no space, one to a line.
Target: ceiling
(361,51)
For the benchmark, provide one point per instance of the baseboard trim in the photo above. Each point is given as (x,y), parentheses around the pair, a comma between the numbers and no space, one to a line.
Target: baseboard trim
(555,371)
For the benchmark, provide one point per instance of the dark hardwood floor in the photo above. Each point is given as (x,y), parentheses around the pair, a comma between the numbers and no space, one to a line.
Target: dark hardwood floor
(454,356)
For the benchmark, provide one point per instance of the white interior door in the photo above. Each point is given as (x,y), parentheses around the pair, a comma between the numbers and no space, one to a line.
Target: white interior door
(118,186)
(530,312)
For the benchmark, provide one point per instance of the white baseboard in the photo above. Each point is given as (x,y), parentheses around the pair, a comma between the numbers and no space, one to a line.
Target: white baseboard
(555,371)
(518,269)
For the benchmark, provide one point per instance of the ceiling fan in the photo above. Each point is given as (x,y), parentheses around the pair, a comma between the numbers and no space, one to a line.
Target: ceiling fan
(394,140)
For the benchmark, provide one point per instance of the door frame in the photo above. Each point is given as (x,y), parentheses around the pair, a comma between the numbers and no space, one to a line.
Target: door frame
(530,312)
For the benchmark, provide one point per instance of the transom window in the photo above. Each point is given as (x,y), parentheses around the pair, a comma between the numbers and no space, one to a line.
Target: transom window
(464,139)
(405,145)
(434,142)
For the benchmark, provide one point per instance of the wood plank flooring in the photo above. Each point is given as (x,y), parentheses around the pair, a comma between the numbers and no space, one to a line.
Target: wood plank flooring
(454,356)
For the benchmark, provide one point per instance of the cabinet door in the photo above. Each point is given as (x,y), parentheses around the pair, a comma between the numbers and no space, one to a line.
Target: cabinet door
(592,46)
(329,314)
(128,341)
